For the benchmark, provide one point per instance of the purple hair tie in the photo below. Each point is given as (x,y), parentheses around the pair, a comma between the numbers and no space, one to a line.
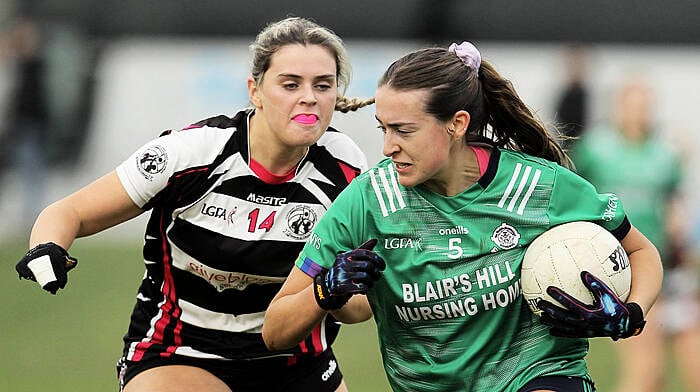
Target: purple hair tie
(468,53)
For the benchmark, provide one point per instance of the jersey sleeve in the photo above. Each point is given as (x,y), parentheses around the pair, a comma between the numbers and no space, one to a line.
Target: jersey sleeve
(344,148)
(574,198)
(149,169)
(339,230)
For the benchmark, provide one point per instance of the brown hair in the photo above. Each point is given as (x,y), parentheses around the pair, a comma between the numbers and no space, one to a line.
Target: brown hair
(296,30)
(497,112)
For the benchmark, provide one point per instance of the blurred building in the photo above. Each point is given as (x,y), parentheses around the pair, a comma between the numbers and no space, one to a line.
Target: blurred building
(622,21)
(164,64)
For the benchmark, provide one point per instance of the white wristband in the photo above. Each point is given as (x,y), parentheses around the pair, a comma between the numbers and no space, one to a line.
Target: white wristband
(43,270)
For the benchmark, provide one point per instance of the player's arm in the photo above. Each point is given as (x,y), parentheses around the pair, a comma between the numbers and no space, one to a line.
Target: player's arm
(100,205)
(293,312)
(303,302)
(646,268)
(96,207)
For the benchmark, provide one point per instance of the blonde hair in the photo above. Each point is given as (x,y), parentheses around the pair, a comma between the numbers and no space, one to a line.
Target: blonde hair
(296,30)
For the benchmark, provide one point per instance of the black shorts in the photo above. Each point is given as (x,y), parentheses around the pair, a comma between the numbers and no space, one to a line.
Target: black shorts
(559,384)
(319,373)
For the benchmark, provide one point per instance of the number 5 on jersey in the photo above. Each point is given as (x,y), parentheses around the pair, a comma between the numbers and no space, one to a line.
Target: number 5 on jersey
(455,250)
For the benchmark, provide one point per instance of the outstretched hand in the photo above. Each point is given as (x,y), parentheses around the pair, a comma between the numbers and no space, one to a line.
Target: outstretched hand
(353,272)
(607,316)
(47,264)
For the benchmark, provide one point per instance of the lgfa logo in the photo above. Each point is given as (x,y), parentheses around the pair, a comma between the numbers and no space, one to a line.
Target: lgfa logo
(219,212)
(402,243)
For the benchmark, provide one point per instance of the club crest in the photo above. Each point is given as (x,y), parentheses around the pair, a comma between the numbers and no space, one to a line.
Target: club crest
(152,161)
(505,236)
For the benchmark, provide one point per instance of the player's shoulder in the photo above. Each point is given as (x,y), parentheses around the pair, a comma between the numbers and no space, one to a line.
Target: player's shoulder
(509,157)
(223,121)
(335,140)
(343,147)
(208,134)
(384,167)
(515,167)
(221,124)
(378,177)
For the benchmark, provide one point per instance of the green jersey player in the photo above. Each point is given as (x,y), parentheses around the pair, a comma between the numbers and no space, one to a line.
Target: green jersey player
(449,220)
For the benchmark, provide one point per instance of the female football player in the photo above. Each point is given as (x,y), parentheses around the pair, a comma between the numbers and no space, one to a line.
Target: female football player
(435,236)
(232,201)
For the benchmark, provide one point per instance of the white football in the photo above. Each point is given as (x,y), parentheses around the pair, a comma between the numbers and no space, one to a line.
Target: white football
(557,257)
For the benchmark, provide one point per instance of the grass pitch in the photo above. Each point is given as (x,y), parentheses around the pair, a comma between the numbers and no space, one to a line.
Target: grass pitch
(71,342)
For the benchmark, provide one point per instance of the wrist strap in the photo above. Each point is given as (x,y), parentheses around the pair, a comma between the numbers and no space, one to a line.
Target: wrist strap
(324,299)
(636,320)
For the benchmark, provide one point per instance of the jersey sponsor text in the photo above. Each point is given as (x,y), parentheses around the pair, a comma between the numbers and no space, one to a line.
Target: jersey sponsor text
(456,288)
(267,200)
(223,280)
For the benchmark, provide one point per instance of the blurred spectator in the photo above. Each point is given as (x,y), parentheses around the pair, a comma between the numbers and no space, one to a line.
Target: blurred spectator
(46,110)
(572,101)
(23,139)
(629,158)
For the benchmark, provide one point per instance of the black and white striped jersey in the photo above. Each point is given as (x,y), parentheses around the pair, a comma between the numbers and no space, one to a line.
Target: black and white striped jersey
(221,239)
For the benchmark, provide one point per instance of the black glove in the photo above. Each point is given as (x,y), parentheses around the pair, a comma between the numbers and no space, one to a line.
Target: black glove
(48,264)
(353,272)
(607,316)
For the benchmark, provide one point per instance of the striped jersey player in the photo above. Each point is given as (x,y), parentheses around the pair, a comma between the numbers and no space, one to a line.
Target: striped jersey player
(231,201)
(222,237)
(449,325)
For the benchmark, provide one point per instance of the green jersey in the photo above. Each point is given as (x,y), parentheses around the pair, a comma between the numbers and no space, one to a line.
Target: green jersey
(449,309)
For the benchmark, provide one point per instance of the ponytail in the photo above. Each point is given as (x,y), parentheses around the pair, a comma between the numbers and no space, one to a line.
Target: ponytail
(512,123)
(457,81)
(344,104)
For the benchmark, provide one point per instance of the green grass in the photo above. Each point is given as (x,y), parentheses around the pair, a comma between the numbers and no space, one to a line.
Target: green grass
(71,341)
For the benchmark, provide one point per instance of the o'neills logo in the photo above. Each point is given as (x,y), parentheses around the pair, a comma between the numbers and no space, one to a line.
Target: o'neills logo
(454,230)
(300,221)
(152,161)
(223,280)
(332,365)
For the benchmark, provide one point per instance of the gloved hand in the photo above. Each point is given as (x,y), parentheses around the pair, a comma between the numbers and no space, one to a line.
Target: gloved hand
(47,264)
(353,272)
(607,316)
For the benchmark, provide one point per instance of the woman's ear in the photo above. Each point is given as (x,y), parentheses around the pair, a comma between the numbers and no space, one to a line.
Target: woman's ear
(254,93)
(460,123)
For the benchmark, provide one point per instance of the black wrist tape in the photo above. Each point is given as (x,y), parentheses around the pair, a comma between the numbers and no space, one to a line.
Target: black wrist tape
(324,299)
(636,321)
